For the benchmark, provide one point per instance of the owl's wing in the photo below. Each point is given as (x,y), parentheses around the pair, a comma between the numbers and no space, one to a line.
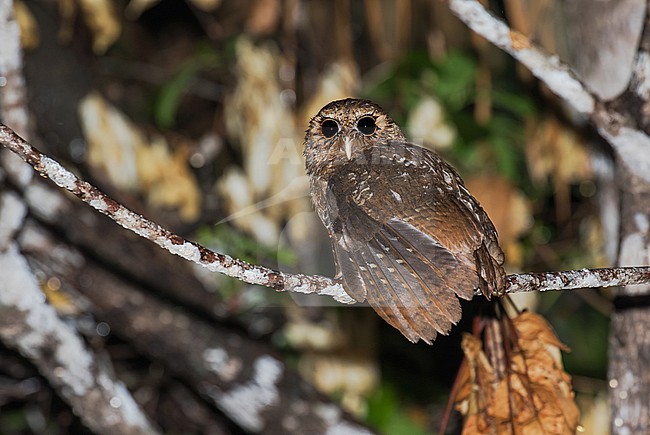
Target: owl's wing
(412,258)
(406,276)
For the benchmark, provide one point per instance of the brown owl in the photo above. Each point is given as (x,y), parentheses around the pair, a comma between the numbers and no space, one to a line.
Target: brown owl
(407,235)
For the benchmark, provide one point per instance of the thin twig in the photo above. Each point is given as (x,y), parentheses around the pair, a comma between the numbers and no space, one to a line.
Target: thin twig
(280,281)
(575,279)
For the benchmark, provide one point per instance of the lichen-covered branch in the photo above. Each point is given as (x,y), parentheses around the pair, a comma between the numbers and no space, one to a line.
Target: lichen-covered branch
(630,143)
(557,76)
(30,325)
(235,373)
(13,95)
(260,275)
(575,279)
(175,244)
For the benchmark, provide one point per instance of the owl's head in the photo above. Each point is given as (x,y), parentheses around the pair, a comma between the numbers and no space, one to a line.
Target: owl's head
(344,129)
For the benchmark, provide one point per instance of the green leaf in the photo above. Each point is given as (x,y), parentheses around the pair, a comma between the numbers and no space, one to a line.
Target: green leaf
(516,104)
(386,414)
(171,93)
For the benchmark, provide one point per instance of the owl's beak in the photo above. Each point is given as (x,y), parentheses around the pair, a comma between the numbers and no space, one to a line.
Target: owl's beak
(347,147)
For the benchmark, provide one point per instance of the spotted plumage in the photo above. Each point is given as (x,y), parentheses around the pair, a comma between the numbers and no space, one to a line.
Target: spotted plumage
(407,236)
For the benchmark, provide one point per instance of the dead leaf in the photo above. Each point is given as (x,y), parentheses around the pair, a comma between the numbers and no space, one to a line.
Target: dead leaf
(138,162)
(509,210)
(427,125)
(102,20)
(556,154)
(263,17)
(135,8)
(206,5)
(29,34)
(99,15)
(533,397)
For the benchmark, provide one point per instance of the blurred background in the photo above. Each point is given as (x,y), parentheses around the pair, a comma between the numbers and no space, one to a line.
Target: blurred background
(193,114)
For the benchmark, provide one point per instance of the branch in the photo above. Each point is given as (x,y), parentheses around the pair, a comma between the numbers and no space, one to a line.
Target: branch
(30,325)
(174,243)
(557,76)
(235,373)
(575,279)
(260,275)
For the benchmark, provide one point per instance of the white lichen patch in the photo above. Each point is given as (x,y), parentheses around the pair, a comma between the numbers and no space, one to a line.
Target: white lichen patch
(641,76)
(12,213)
(57,173)
(186,250)
(98,204)
(246,403)
(634,252)
(255,276)
(336,291)
(120,399)
(219,362)
(42,328)
(641,221)
(333,418)
(347,428)
(329,413)
(632,147)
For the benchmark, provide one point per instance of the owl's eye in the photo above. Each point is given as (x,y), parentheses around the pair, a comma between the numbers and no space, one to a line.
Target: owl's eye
(366,125)
(329,127)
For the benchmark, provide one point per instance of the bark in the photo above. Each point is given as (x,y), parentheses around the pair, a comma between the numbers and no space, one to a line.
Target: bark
(624,123)
(27,323)
(629,340)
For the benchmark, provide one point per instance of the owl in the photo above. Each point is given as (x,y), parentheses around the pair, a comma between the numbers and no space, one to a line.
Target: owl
(407,236)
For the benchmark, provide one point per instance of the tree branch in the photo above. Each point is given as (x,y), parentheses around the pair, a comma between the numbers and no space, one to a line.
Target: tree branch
(29,324)
(174,243)
(575,279)
(556,75)
(612,125)
(260,275)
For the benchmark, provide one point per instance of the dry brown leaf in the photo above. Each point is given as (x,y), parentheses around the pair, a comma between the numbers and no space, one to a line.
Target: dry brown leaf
(508,208)
(354,376)
(102,20)
(206,5)
(99,15)
(68,13)
(136,162)
(136,7)
(556,153)
(535,396)
(261,121)
(427,125)
(29,34)
(263,17)
(533,327)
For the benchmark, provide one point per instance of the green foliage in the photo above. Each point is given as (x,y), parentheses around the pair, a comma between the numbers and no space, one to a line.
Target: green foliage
(569,314)
(452,81)
(223,238)
(388,416)
(242,246)
(171,93)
